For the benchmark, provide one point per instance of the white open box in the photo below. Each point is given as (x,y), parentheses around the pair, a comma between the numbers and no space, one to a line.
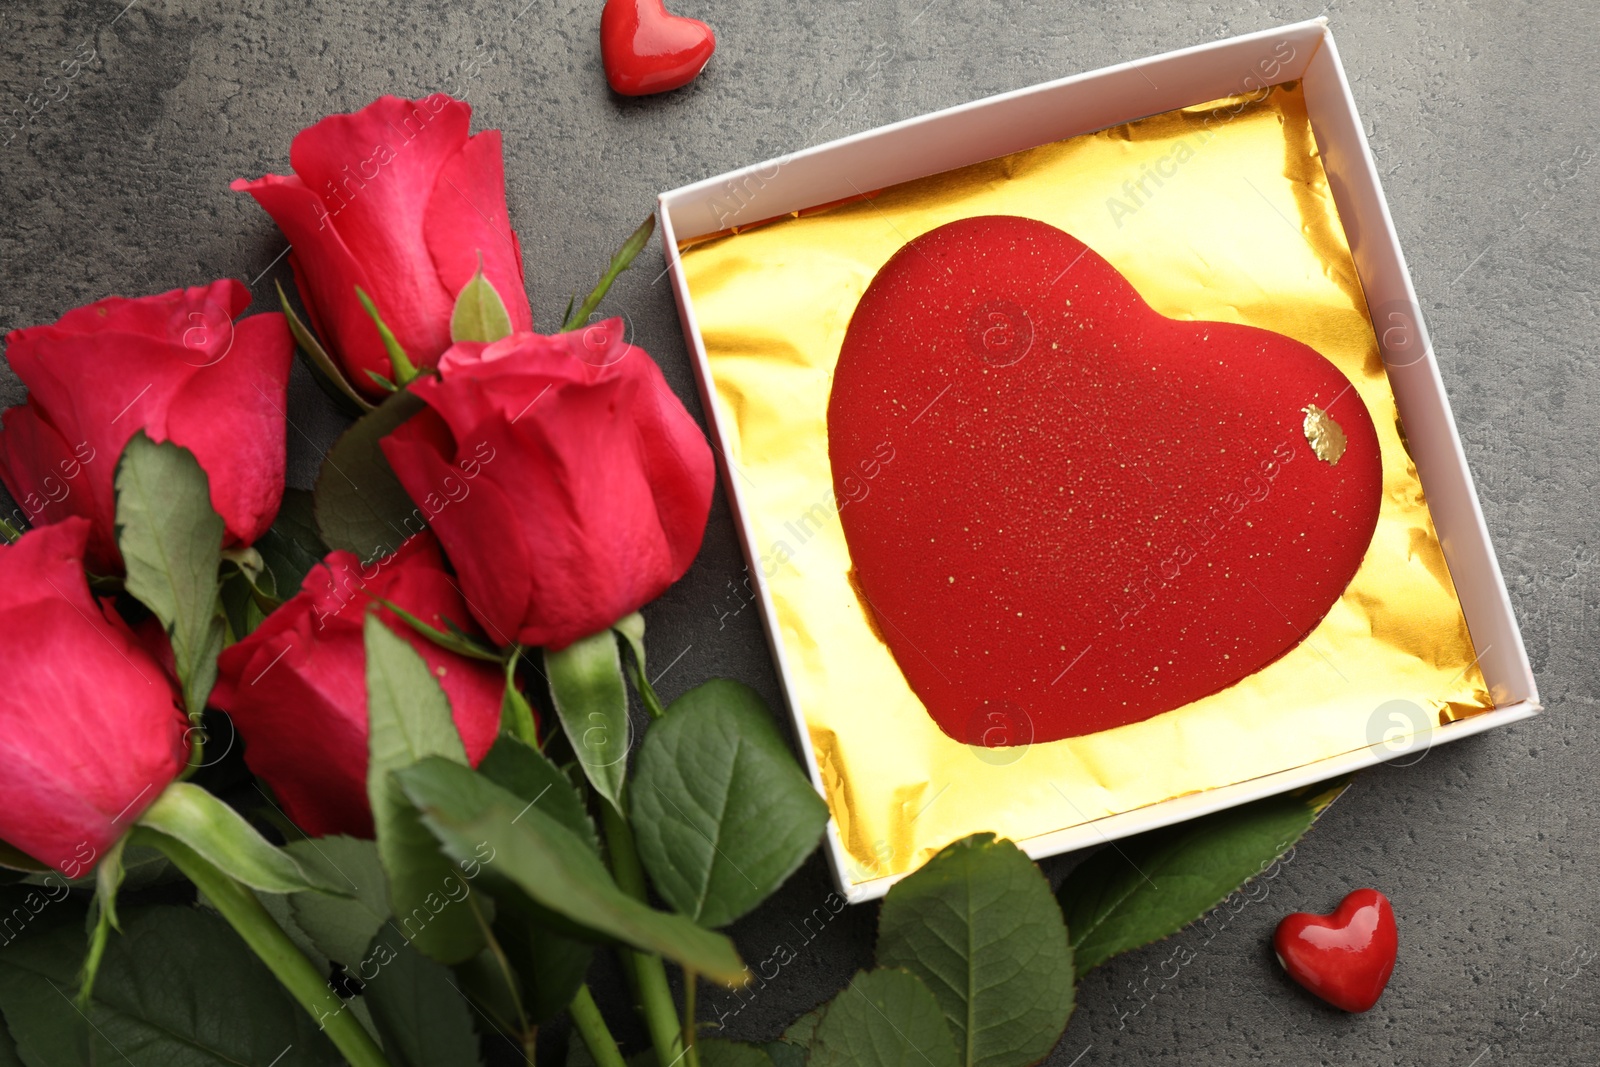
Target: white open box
(1083,103)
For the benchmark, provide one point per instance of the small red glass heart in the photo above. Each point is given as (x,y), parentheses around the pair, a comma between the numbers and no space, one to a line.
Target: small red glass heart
(647,50)
(1344,958)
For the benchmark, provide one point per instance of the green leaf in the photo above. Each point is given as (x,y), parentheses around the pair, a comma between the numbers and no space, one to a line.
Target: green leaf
(223,837)
(632,630)
(360,505)
(329,375)
(1148,887)
(551,965)
(884,1019)
(409,720)
(721,811)
(516,714)
(177,989)
(145,867)
(341,926)
(592,703)
(277,905)
(557,870)
(291,547)
(978,925)
(8,1047)
(523,770)
(715,1052)
(404,369)
(421,1018)
(803,1030)
(142,868)
(784,1054)
(620,262)
(482,980)
(171,542)
(479,314)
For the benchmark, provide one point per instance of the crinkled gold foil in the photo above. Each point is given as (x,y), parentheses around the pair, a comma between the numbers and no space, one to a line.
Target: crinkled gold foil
(1219,212)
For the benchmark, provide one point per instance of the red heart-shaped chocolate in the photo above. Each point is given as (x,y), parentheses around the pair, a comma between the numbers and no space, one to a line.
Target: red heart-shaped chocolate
(1090,513)
(1344,958)
(646,50)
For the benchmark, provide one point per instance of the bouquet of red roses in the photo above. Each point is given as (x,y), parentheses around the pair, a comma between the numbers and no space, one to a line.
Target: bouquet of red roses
(497,513)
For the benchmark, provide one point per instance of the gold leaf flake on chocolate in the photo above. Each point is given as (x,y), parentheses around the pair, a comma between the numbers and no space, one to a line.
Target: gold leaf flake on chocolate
(1324,436)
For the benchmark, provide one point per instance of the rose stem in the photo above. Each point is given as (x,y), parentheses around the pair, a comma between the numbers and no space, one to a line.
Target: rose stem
(592,1028)
(691,1053)
(650,974)
(267,940)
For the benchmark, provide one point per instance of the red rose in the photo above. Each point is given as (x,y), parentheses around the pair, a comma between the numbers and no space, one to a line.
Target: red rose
(296,688)
(175,366)
(566,482)
(398,200)
(90,729)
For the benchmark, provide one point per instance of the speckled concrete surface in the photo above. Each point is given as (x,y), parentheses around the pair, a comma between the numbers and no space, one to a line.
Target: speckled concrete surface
(1487,847)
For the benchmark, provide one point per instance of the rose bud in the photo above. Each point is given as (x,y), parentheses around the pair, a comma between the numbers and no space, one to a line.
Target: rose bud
(397,199)
(90,728)
(567,483)
(176,366)
(296,688)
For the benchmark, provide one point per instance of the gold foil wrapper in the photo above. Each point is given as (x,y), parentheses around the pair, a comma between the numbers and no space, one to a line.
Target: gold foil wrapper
(1217,212)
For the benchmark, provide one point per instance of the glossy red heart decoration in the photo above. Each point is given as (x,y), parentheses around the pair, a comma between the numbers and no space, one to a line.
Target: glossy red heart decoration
(646,50)
(1344,958)
(1092,514)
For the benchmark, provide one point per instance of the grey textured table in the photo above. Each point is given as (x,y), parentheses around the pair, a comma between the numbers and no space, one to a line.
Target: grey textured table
(1487,847)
